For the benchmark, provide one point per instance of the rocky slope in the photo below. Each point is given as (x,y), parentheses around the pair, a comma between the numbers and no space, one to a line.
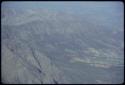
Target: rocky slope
(45,47)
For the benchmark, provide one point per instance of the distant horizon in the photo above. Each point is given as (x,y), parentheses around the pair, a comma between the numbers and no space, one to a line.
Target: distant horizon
(73,7)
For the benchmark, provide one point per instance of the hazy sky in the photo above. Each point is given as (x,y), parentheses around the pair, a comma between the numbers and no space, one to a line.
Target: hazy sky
(72,6)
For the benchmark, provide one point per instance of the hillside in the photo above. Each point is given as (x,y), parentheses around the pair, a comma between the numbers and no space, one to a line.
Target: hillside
(47,47)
